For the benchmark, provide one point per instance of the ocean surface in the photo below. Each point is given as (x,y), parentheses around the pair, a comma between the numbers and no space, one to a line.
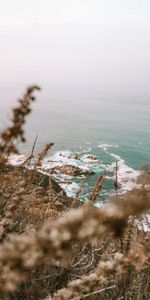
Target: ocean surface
(82,122)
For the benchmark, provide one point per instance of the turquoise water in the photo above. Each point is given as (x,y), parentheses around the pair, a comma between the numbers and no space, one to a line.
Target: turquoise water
(82,120)
(76,122)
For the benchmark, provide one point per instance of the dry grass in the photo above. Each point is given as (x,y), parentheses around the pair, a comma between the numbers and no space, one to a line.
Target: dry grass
(52,247)
(15,130)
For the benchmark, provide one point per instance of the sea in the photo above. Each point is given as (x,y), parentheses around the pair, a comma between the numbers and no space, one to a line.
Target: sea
(91,129)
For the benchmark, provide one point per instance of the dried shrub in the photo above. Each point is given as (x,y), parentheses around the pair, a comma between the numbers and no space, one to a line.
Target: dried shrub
(16,131)
(52,247)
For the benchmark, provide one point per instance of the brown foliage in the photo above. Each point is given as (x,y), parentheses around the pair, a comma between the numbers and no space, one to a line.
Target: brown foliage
(16,130)
(53,247)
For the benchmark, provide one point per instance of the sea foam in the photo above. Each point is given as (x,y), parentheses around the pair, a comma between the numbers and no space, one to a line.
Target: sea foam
(105,147)
(127,176)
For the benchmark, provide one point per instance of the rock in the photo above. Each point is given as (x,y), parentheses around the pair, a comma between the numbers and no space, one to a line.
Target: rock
(92,157)
(42,180)
(76,156)
(57,187)
(71,170)
(46,181)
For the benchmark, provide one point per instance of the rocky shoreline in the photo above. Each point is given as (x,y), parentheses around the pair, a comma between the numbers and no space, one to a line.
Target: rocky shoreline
(66,168)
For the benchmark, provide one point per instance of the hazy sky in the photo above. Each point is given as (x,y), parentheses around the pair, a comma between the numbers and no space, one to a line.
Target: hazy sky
(96,43)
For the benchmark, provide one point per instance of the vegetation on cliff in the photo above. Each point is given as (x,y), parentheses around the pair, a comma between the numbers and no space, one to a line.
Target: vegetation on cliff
(55,247)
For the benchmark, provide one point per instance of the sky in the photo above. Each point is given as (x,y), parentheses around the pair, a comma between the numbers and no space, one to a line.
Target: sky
(76,43)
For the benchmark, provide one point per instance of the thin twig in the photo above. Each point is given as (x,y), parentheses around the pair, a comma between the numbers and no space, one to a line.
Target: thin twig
(28,160)
(96,292)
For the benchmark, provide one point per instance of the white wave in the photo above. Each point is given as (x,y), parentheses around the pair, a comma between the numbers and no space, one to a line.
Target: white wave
(17,159)
(105,147)
(58,159)
(109,177)
(127,176)
(144,224)
(64,158)
(86,158)
(63,154)
(71,189)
